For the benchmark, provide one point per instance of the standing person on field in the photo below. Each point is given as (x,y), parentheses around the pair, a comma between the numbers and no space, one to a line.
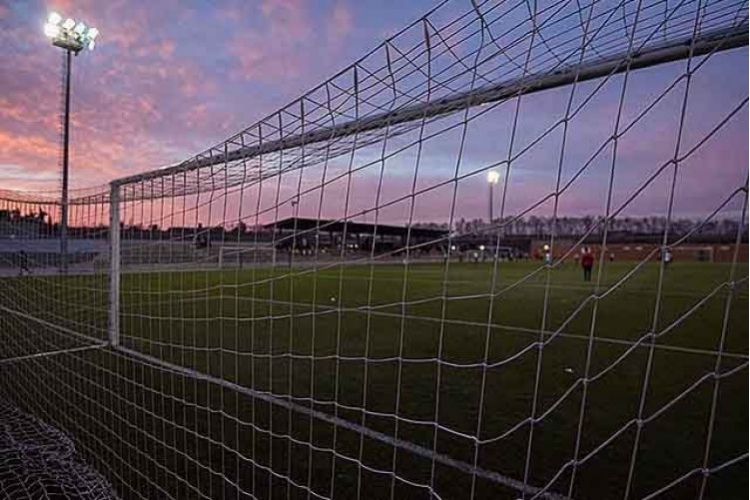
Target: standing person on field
(667,257)
(23,263)
(587,263)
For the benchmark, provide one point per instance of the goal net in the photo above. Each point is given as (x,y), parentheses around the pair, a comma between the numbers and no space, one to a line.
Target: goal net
(412,282)
(699,253)
(237,256)
(39,460)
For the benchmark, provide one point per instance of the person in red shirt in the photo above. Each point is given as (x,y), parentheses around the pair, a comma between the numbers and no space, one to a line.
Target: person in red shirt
(587,263)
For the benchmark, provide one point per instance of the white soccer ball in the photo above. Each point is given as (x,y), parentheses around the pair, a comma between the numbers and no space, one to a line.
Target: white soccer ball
(333,299)
(568,370)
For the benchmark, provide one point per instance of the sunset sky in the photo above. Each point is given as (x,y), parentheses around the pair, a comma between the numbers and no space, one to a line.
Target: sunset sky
(171,78)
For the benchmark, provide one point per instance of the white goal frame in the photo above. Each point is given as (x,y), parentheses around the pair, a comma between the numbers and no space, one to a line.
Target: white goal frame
(239,251)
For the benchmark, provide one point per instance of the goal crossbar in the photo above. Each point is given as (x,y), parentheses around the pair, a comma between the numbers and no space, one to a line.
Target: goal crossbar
(716,40)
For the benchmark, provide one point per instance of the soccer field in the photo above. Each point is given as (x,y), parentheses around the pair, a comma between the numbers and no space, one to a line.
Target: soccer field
(419,375)
(376,290)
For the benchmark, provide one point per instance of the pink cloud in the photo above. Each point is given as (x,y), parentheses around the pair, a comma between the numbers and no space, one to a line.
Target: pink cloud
(166,49)
(102,148)
(280,52)
(339,23)
(266,63)
(288,19)
(62,6)
(27,146)
(276,52)
(284,49)
(125,38)
(26,114)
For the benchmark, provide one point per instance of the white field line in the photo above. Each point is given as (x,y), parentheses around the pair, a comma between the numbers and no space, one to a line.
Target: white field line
(325,309)
(50,353)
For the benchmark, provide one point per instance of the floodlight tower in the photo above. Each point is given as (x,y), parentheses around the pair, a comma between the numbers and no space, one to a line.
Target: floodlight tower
(73,37)
(493,177)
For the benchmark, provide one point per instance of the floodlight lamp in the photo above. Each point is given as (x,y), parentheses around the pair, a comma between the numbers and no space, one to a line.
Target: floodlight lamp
(91,45)
(481,247)
(51,30)
(493,177)
(453,247)
(69,24)
(93,33)
(546,248)
(54,18)
(80,28)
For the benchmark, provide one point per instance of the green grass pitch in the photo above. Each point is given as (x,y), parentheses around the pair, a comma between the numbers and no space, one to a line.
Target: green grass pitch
(439,348)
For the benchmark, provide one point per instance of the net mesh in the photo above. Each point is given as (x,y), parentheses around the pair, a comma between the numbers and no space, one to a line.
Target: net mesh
(339,302)
(39,461)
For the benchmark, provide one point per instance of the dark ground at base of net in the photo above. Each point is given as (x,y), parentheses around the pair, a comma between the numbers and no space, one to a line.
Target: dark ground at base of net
(149,438)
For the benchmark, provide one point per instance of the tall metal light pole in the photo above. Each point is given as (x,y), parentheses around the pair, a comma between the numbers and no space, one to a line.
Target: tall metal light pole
(72,37)
(64,195)
(493,177)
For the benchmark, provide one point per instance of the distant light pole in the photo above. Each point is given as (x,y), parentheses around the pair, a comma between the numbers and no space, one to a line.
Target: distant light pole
(72,37)
(493,177)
